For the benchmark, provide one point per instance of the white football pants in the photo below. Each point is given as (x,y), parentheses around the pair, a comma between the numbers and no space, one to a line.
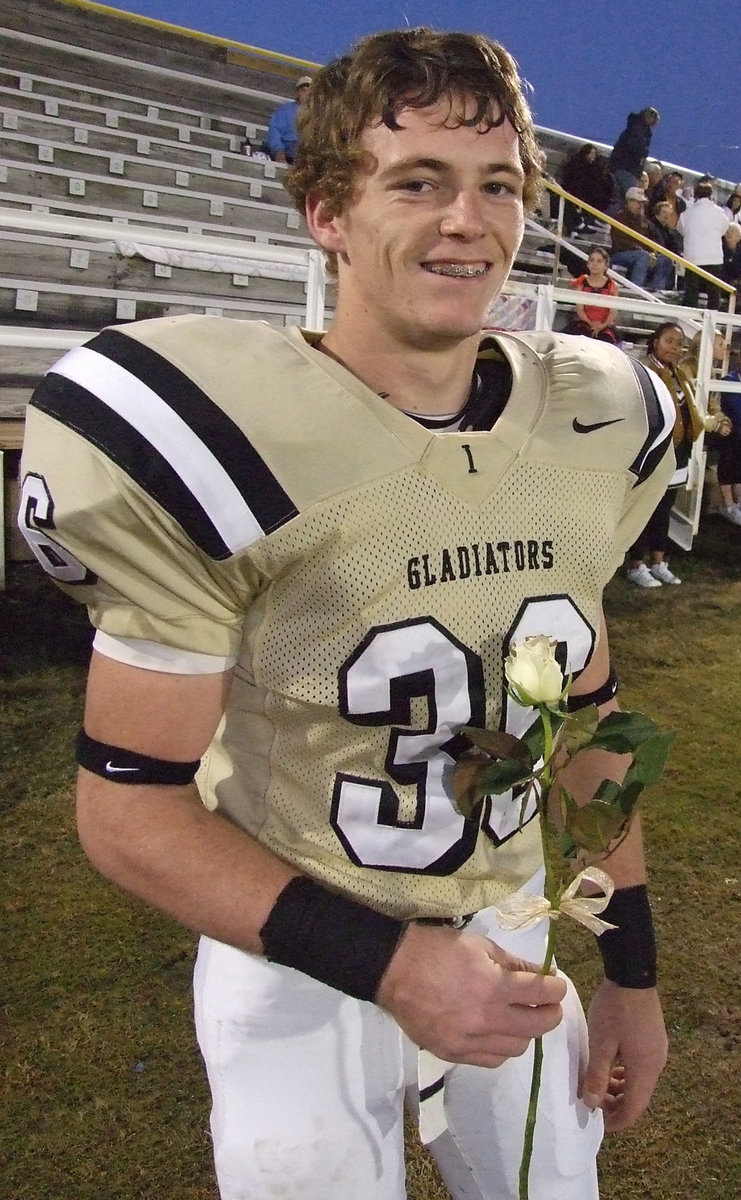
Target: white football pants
(308,1088)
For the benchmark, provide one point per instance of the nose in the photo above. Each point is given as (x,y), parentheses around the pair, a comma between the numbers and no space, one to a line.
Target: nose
(463,217)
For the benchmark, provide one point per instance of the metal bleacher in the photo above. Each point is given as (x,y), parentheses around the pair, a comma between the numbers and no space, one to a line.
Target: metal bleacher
(130,188)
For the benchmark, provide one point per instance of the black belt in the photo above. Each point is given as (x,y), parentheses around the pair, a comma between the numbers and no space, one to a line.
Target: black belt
(455,922)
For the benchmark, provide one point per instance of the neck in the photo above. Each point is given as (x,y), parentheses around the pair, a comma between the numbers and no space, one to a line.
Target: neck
(416,379)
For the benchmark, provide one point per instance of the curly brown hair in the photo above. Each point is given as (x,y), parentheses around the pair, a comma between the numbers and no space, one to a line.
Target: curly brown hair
(404,68)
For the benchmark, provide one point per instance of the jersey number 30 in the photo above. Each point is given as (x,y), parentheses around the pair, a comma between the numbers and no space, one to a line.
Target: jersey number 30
(419,682)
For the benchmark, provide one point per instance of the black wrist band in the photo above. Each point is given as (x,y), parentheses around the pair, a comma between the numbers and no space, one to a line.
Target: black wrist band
(600,695)
(629,952)
(128,766)
(330,937)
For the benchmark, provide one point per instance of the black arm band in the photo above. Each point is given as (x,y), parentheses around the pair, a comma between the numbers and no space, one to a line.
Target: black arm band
(330,937)
(600,695)
(629,952)
(128,766)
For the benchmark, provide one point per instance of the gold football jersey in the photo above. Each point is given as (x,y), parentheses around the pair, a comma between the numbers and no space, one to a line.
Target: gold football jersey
(222,489)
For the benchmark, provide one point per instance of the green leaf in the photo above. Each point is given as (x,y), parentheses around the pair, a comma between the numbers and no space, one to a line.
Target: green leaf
(497,743)
(500,776)
(608,792)
(569,848)
(651,756)
(579,728)
(622,732)
(467,790)
(646,768)
(595,825)
(534,737)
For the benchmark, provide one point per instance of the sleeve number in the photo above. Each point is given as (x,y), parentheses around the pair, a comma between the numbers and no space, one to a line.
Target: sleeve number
(35,519)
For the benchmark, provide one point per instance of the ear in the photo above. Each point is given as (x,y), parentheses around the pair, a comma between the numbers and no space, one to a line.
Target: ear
(327,231)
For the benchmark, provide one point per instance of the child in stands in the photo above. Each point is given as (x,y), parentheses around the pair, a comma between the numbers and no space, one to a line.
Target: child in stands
(590,320)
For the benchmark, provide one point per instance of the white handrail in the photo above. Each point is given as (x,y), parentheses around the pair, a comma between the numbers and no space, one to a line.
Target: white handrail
(310,260)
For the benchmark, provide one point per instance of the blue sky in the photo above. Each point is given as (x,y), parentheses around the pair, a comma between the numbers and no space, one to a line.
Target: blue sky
(590,61)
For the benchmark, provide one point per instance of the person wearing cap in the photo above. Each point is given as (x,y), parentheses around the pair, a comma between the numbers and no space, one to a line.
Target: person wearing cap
(281,138)
(626,251)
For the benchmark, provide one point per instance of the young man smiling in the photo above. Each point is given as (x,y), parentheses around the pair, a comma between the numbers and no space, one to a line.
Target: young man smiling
(239,507)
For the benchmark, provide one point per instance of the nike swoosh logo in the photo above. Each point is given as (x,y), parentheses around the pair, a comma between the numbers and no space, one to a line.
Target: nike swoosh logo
(111,769)
(579,428)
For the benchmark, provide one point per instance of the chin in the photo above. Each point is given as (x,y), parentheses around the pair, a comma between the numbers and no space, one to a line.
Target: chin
(450,328)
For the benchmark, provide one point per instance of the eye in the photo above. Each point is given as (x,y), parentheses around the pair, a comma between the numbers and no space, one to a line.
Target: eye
(496,187)
(417,186)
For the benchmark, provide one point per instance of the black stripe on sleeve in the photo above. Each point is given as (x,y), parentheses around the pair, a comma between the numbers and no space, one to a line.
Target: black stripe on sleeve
(84,413)
(660,426)
(226,441)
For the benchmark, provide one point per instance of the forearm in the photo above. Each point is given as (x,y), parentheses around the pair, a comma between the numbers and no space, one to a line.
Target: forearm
(162,845)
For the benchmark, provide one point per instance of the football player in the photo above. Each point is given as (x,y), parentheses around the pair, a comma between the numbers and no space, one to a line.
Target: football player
(305,556)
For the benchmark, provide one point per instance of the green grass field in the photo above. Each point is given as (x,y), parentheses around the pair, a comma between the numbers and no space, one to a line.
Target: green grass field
(103,1095)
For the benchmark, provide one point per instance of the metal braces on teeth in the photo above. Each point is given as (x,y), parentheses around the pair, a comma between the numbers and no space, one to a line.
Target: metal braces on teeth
(459,269)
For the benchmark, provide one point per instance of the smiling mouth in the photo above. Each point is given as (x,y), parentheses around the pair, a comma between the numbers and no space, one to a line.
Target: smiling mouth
(457,270)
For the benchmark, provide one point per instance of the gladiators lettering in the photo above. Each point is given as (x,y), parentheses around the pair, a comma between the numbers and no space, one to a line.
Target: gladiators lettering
(487,558)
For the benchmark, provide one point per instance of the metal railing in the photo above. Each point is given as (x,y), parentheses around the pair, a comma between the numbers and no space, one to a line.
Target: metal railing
(654,247)
(546,299)
(309,261)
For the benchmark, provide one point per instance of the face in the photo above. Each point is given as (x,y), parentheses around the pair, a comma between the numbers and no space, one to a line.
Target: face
(635,206)
(643,180)
(302,92)
(596,263)
(668,346)
(431,232)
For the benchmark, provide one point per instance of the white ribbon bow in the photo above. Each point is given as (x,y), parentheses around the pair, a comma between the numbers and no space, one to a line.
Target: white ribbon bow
(522,910)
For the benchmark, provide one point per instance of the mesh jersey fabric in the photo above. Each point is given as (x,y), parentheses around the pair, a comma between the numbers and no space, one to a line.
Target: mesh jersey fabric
(220,487)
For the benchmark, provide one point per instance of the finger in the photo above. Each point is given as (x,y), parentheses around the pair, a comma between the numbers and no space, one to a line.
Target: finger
(596,1081)
(525,1020)
(628,1106)
(489,1051)
(511,963)
(526,987)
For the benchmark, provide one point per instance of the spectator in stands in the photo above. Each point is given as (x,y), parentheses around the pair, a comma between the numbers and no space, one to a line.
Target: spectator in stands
(663,351)
(702,226)
(669,188)
(281,140)
(690,359)
(732,207)
(729,456)
(655,172)
(663,231)
(583,177)
(732,254)
(626,251)
(590,320)
(630,150)
(547,201)
(690,364)
(732,239)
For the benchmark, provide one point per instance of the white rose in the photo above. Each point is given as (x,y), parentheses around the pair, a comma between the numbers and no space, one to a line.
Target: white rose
(533,675)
